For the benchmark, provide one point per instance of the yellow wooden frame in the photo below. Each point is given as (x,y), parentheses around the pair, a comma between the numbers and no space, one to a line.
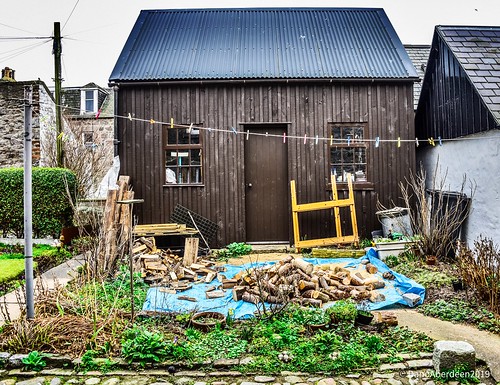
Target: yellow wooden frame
(334,204)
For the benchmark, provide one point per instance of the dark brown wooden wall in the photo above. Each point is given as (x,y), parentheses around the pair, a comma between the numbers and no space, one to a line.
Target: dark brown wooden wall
(450,105)
(386,107)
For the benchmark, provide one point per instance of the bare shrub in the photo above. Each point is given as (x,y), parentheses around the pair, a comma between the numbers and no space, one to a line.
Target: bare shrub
(436,215)
(480,270)
(88,160)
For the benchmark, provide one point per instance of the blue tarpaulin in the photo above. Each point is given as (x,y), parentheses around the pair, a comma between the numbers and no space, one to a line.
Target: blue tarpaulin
(159,301)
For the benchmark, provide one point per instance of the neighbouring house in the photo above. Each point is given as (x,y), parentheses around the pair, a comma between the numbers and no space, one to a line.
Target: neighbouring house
(460,104)
(220,108)
(89,111)
(12,126)
(419,55)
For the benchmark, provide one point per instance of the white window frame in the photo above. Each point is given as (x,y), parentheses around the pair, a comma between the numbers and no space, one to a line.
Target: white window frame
(83,100)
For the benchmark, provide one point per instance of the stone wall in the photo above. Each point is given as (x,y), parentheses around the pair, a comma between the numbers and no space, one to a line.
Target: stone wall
(12,120)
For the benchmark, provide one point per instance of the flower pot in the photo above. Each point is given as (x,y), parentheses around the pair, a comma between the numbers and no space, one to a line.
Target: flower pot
(364,318)
(316,327)
(457,285)
(207,320)
(430,259)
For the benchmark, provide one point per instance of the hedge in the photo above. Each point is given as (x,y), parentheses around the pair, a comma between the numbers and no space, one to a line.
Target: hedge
(51,206)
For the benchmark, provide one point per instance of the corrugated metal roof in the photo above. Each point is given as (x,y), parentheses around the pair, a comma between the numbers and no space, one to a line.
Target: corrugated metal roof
(477,49)
(269,43)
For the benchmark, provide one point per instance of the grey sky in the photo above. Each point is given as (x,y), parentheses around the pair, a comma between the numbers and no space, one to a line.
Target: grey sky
(94,32)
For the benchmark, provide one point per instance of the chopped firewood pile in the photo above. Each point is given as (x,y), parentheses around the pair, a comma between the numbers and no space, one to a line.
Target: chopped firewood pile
(289,280)
(295,280)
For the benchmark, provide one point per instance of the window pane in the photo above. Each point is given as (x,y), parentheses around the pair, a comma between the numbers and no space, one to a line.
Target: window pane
(172,136)
(348,154)
(183,156)
(195,136)
(183,136)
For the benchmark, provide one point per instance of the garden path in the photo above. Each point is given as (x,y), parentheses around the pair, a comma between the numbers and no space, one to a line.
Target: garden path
(487,344)
(59,275)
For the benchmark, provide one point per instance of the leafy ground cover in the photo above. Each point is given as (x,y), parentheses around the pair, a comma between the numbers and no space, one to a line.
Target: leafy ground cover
(443,300)
(91,320)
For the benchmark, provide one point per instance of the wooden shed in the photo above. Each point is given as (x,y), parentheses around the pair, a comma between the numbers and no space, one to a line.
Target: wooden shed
(460,105)
(218,109)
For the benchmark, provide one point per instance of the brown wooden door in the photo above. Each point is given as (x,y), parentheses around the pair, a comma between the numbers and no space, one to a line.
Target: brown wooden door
(266,185)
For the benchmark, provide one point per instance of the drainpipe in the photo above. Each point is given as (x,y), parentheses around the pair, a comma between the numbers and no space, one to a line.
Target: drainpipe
(116,139)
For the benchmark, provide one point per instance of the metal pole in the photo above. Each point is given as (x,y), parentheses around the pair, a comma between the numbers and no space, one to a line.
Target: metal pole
(28,242)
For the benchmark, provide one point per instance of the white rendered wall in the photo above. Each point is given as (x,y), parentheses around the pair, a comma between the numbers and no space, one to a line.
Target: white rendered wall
(479,160)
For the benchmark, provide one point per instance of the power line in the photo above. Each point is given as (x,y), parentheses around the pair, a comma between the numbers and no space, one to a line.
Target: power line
(18,29)
(20,51)
(73,10)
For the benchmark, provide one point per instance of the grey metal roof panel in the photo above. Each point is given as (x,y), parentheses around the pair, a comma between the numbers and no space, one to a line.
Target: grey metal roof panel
(263,43)
(477,49)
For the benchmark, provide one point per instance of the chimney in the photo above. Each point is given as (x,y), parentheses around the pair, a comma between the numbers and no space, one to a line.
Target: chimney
(8,74)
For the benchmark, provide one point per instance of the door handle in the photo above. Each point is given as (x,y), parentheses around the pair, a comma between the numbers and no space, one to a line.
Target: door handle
(249,185)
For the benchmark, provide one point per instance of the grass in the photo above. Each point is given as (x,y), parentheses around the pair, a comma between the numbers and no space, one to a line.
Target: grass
(10,269)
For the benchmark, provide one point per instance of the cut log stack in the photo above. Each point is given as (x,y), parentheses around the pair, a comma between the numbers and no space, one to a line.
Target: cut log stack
(174,273)
(116,227)
(295,280)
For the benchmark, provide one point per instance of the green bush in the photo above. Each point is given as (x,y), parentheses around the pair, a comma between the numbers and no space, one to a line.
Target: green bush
(51,206)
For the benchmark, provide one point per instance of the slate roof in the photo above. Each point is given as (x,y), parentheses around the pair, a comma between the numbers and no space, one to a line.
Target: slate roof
(71,100)
(419,55)
(477,49)
(263,43)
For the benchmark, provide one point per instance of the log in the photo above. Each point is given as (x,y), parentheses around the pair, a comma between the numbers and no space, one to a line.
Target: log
(305,285)
(311,301)
(304,266)
(375,297)
(238,292)
(252,298)
(323,283)
(372,269)
(190,251)
(210,277)
(285,269)
(229,283)
(377,285)
(356,280)
(215,294)
(322,296)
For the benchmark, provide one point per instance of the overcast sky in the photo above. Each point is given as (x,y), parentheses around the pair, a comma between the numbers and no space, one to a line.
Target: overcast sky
(94,31)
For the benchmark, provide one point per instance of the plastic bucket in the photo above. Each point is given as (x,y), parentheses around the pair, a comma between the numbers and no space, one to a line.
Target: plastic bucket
(395,220)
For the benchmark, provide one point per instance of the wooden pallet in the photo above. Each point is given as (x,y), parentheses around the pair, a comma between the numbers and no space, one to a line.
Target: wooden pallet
(163,229)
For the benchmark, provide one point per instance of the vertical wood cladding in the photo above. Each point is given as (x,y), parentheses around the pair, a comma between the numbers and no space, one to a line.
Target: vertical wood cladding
(450,105)
(306,108)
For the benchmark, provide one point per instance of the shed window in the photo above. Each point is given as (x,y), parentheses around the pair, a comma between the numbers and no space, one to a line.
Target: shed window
(348,152)
(183,156)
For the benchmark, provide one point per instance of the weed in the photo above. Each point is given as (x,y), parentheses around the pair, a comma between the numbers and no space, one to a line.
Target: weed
(34,361)
(343,311)
(142,346)
(237,249)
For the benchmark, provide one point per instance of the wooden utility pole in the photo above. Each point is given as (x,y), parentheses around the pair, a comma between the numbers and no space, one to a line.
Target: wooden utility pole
(56,51)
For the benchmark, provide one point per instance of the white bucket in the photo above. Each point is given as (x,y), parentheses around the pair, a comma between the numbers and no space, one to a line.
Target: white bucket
(396,220)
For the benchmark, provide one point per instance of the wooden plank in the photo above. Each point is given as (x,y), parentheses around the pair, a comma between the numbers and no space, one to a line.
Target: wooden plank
(190,251)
